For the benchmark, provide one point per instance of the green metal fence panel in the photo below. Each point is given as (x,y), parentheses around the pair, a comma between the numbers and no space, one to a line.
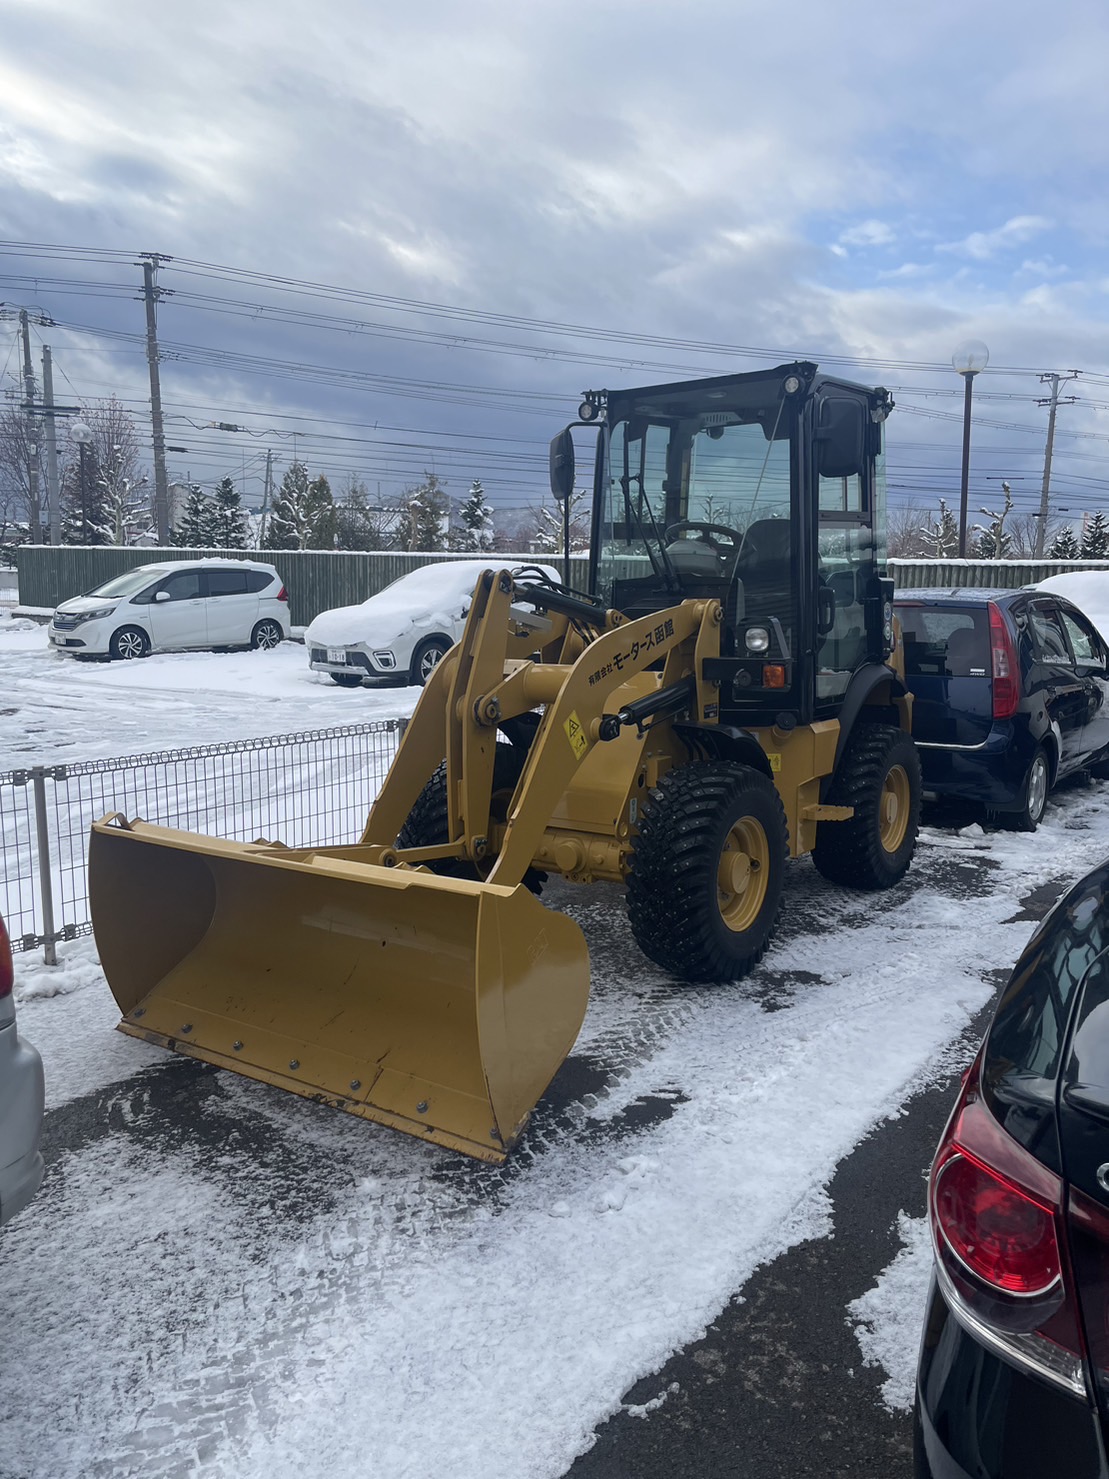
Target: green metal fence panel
(317,580)
(983,574)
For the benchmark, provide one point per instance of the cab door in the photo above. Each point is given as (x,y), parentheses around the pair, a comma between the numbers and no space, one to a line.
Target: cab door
(177,613)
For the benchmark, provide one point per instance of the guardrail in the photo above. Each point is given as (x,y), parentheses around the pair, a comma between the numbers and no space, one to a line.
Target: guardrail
(312,788)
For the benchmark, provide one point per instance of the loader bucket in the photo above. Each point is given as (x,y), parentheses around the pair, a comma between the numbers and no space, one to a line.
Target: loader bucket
(439,1006)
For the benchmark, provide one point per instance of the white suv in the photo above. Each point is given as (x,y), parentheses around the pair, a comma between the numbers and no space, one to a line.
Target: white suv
(174,606)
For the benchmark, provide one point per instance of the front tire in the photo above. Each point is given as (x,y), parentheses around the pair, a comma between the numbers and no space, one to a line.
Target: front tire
(879,775)
(707,868)
(129,643)
(427,821)
(426,658)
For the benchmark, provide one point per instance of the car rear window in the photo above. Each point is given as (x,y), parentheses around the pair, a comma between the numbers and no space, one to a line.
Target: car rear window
(942,642)
(258,580)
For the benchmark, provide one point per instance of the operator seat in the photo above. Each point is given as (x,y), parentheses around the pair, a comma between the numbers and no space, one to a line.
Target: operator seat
(766,571)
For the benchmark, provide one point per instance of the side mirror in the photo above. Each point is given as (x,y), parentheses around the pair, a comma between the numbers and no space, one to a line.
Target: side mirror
(562,465)
(161,595)
(841,437)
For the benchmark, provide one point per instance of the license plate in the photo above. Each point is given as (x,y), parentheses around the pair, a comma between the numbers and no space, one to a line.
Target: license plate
(337,654)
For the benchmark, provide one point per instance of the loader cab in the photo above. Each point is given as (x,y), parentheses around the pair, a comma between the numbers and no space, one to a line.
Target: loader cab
(764,491)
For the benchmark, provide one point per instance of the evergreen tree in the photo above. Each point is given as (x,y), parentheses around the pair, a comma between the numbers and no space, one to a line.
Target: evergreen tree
(357,526)
(195,529)
(86,518)
(1064,546)
(476,533)
(423,512)
(321,515)
(941,536)
(1095,538)
(227,520)
(303,513)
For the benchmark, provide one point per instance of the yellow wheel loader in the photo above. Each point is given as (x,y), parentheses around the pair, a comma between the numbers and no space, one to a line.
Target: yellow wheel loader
(729,694)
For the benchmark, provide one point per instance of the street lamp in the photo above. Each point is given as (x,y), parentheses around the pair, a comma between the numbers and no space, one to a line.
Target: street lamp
(969,360)
(81,433)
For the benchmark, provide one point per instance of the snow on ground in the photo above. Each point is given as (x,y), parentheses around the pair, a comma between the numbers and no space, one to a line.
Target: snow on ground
(888,1319)
(53,708)
(252,1285)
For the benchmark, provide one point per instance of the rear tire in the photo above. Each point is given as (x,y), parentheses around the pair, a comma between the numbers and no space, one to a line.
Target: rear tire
(347,680)
(707,868)
(129,643)
(426,658)
(879,775)
(266,635)
(1037,783)
(427,821)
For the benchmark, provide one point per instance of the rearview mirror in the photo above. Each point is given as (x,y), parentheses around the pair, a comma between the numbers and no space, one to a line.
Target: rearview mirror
(562,465)
(840,437)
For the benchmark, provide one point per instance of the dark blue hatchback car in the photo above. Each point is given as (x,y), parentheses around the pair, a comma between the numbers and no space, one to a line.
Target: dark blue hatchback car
(1009,695)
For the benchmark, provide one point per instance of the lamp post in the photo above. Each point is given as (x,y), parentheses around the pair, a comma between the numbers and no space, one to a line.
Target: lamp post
(969,360)
(82,435)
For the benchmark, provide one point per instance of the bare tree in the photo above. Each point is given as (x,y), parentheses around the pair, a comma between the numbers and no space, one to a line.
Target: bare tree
(125,486)
(1021,530)
(15,482)
(905,537)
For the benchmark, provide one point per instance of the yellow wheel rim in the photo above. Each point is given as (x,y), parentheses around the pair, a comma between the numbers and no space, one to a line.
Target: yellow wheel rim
(893,809)
(743,874)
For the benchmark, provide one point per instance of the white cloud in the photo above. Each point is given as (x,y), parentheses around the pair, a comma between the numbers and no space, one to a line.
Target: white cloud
(984,245)
(868,234)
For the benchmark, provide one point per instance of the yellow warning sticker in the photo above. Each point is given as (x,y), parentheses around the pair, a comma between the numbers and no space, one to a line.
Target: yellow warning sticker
(579,742)
(775,762)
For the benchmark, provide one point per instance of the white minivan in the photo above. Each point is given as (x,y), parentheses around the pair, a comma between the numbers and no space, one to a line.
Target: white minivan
(174,606)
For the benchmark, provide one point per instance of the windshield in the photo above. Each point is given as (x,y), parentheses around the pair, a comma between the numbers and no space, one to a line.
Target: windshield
(127,585)
(707,468)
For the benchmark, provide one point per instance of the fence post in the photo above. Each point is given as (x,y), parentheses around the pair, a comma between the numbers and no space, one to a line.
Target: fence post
(50,949)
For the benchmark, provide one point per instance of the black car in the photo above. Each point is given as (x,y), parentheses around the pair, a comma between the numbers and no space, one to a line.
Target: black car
(1013,1379)
(1009,695)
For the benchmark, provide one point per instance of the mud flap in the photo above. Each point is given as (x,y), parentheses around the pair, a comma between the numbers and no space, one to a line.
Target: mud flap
(438,1006)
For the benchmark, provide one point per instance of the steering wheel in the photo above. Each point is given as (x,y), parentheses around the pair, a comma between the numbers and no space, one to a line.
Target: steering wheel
(710,533)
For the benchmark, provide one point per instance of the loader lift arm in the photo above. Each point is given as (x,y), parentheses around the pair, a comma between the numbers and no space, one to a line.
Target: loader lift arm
(491,677)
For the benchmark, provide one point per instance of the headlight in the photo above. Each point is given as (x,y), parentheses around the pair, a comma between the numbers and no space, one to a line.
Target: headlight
(757,639)
(80,616)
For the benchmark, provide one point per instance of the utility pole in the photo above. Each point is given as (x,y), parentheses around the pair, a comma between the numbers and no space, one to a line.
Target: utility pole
(267,490)
(53,491)
(151,262)
(1056,381)
(33,509)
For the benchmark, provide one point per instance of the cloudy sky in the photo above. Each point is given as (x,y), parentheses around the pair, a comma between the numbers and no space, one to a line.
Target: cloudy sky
(413,234)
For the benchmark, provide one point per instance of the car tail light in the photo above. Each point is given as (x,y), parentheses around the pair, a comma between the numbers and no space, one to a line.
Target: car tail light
(1001,1256)
(1006,671)
(7,972)
(283,594)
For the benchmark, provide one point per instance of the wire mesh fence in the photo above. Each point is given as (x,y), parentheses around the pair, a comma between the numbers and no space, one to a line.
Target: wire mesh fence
(312,788)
